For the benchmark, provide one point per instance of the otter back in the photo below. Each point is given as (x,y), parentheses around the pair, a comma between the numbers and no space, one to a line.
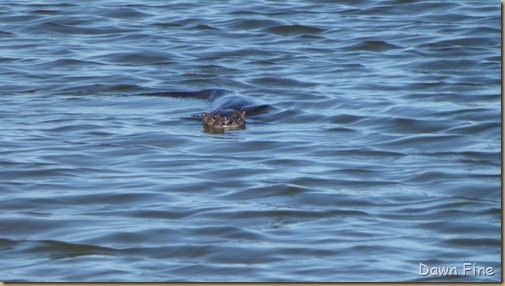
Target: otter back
(228,109)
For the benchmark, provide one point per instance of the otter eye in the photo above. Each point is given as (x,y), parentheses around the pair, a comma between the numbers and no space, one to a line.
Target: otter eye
(214,117)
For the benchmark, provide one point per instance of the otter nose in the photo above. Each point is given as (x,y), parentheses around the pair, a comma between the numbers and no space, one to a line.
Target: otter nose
(226,120)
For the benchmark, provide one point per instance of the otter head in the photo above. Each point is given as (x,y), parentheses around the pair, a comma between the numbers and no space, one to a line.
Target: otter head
(224,119)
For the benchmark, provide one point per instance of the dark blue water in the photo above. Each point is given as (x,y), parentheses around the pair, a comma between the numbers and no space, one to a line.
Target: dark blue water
(381,150)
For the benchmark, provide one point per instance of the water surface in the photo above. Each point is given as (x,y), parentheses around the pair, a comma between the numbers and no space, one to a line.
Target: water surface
(382,150)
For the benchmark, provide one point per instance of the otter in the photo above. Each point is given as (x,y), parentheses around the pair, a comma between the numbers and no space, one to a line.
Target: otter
(228,110)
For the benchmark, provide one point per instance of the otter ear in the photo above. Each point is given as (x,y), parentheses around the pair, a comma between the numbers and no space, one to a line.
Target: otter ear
(205,115)
(243,113)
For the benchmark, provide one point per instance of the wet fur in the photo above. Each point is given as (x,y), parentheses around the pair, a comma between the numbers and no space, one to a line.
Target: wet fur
(228,110)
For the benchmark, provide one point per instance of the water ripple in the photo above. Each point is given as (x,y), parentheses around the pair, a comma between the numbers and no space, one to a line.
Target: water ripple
(380,150)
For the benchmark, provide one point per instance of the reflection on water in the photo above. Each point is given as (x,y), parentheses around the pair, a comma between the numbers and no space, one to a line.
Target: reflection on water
(381,149)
